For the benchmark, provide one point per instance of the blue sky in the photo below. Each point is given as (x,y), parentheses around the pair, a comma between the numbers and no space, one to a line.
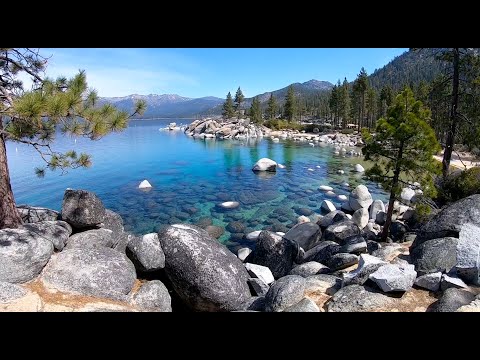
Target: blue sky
(211,72)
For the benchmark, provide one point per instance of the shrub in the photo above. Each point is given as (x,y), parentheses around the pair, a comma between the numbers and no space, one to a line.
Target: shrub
(460,185)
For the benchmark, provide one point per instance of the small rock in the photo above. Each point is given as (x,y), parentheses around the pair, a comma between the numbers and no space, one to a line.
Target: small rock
(367,264)
(258,286)
(242,253)
(452,299)
(284,293)
(451,282)
(309,268)
(229,205)
(265,164)
(302,219)
(360,217)
(341,261)
(145,185)
(328,206)
(357,298)
(81,209)
(394,278)
(304,305)
(261,272)
(153,296)
(429,281)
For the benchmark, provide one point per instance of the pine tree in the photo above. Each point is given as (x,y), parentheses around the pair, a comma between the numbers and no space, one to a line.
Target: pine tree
(344,103)
(333,103)
(404,144)
(256,111)
(33,117)
(271,112)
(228,110)
(239,98)
(360,87)
(290,104)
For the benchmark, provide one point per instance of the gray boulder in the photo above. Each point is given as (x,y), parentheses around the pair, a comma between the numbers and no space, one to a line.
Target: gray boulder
(388,251)
(435,255)
(429,281)
(449,221)
(265,164)
(284,292)
(360,197)
(451,281)
(367,264)
(82,209)
(398,230)
(452,299)
(153,296)
(304,305)
(322,252)
(331,217)
(309,268)
(146,253)
(203,272)
(354,244)
(375,208)
(23,254)
(114,222)
(261,272)
(357,298)
(91,238)
(341,261)
(360,217)
(99,272)
(274,252)
(10,292)
(394,277)
(258,286)
(33,214)
(340,231)
(55,231)
(306,235)
(468,254)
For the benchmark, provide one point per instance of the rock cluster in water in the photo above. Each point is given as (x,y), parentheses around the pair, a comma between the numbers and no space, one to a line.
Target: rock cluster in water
(84,259)
(225,129)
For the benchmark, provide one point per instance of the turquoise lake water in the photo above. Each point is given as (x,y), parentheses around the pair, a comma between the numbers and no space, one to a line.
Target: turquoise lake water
(189,178)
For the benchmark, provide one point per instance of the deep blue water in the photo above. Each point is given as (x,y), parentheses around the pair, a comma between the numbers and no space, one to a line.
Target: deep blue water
(189,178)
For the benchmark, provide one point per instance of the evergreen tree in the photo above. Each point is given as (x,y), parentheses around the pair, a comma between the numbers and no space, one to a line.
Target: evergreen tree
(228,110)
(344,103)
(333,103)
(256,111)
(404,144)
(33,117)
(290,104)
(360,86)
(271,112)
(371,106)
(239,98)
(386,97)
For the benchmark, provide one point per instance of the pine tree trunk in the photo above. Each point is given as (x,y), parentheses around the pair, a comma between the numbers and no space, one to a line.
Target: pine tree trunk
(396,175)
(9,217)
(447,155)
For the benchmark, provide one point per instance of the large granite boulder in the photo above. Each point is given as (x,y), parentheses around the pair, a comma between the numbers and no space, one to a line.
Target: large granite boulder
(82,209)
(153,296)
(203,272)
(23,254)
(274,252)
(306,235)
(448,222)
(357,298)
(33,214)
(56,231)
(285,292)
(146,253)
(340,231)
(452,299)
(91,238)
(99,272)
(394,277)
(367,264)
(114,222)
(265,164)
(435,255)
(360,197)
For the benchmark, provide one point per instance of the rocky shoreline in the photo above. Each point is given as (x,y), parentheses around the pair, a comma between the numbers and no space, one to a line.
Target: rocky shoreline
(81,259)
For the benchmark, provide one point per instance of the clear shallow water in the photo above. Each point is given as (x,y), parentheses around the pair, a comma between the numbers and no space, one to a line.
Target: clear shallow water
(189,177)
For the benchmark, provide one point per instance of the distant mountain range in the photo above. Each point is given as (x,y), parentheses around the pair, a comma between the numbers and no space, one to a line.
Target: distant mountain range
(176,106)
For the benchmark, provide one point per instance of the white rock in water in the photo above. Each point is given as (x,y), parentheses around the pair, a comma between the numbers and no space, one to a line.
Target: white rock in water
(341,172)
(275,139)
(407,194)
(359,168)
(253,235)
(243,253)
(310,169)
(144,185)
(318,166)
(328,206)
(342,197)
(325,188)
(330,194)
(302,219)
(265,164)
(281,233)
(229,204)
(280,166)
